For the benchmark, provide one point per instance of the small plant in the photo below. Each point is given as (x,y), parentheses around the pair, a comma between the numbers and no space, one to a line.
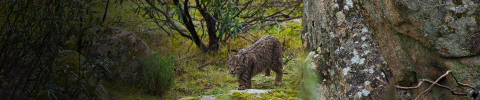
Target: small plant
(158,73)
(309,79)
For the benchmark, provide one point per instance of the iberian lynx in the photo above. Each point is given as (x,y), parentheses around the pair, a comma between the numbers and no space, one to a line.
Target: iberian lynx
(263,55)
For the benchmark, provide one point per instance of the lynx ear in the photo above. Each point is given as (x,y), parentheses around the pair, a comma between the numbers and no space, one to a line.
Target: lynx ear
(229,56)
(242,57)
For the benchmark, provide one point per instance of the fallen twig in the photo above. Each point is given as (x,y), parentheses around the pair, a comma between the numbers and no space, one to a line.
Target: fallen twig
(439,85)
(433,84)
(461,84)
(470,94)
(181,71)
(210,62)
(197,53)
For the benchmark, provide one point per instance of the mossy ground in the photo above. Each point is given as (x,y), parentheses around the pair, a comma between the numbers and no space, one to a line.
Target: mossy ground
(212,79)
(277,94)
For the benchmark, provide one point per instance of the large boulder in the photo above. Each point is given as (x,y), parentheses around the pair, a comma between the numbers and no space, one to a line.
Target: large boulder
(124,49)
(360,40)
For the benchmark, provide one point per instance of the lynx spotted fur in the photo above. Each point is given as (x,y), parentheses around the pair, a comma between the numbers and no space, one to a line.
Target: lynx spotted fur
(263,55)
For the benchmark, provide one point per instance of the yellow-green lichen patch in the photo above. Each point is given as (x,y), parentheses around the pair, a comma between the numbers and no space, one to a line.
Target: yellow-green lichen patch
(270,95)
(189,98)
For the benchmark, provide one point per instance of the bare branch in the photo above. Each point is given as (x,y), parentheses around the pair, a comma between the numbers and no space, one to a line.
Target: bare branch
(286,19)
(170,21)
(425,80)
(105,12)
(209,15)
(248,3)
(210,62)
(465,85)
(248,26)
(256,19)
(470,94)
(197,53)
(156,22)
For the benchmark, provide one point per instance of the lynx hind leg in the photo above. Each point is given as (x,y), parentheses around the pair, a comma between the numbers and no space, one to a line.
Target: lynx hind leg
(267,72)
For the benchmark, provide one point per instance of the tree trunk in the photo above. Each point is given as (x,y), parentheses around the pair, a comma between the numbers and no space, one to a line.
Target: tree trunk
(211,23)
(187,21)
(212,36)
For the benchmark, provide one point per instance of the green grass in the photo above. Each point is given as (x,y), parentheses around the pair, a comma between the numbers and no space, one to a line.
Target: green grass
(158,73)
(212,79)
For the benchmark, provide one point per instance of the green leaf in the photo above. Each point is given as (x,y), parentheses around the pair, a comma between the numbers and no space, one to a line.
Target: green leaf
(205,1)
(13,37)
(70,31)
(70,18)
(221,32)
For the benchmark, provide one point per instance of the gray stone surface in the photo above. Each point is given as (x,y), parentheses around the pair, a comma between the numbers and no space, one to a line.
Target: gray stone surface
(208,97)
(254,92)
(360,43)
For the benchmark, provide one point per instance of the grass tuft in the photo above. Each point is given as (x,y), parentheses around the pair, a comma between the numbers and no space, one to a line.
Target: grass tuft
(158,73)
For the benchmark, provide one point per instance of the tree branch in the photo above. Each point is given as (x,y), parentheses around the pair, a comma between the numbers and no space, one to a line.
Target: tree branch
(105,12)
(282,20)
(248,3)
(273,13)
(197,53)
(168,33)
(204,10)
(248,26)
(170,21)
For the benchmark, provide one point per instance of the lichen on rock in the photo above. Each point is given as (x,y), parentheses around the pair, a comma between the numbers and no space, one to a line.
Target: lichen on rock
(368,41)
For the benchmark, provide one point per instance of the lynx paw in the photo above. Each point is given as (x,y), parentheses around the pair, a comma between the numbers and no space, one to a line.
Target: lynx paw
(241,88)
(278,83)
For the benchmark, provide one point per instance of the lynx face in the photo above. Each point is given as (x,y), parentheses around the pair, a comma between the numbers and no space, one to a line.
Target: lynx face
(235,64)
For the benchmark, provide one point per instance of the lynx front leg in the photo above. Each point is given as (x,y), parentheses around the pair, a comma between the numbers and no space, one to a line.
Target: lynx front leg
(242,84)
(249,83)
(278,75)
(245,81)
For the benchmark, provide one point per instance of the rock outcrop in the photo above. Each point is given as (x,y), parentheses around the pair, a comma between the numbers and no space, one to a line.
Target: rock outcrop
(358,42)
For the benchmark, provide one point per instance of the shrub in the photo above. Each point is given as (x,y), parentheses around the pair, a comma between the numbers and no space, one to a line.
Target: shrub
(34,35)
(158,73)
